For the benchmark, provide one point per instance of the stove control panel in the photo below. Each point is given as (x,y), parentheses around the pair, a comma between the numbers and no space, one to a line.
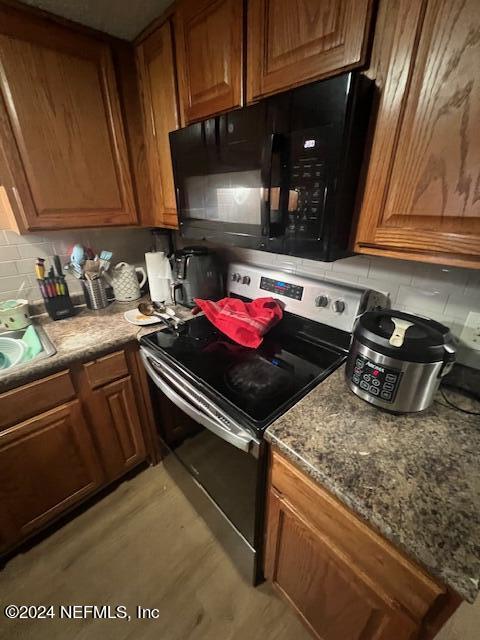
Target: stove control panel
(240,278)
(322,301)
(332,303)
(376,380)
(282,288)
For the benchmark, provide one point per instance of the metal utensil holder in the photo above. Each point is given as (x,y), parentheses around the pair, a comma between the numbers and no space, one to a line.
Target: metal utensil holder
(95,293)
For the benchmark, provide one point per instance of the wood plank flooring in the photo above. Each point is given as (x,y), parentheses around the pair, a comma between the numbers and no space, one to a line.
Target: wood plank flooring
(141,545)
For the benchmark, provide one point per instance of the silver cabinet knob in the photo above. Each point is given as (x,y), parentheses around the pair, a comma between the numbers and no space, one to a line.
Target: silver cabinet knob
(321,301)
(339,306)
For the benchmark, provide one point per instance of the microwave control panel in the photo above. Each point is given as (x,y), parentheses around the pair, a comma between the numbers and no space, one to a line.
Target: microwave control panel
(376,380)
(282,288)
(307,182)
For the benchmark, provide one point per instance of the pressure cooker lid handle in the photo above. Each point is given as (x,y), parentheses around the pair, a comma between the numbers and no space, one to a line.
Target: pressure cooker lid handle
(400,327)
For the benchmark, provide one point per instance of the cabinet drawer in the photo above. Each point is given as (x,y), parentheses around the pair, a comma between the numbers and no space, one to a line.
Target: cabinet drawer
(392,573)
(34,398)
(106,369)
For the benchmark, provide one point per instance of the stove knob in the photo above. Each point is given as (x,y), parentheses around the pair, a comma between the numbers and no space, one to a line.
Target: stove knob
(339,306)
(236,277)
(321,301)
(246,279)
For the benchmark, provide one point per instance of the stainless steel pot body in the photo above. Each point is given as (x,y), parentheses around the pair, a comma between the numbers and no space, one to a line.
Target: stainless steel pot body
(417,381)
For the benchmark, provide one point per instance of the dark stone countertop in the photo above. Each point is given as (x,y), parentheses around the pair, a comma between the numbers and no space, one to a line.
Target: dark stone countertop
(85,336)
(414,478)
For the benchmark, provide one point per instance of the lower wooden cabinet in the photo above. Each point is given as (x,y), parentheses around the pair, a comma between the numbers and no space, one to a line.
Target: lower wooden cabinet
(64,437)
(47,464)
(344,580)
(118,431)
(331,595)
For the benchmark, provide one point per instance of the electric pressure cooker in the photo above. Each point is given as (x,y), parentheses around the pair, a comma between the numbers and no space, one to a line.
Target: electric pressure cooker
(397,360)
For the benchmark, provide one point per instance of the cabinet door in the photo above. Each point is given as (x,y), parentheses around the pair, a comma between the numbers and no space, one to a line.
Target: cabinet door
(47,464)
(292,42)
(156,68)
(63,153)
(422,198)
(209,35)
(330,595)
(116,427)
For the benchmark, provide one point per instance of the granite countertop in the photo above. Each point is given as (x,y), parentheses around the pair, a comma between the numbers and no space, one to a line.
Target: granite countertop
(85,336)
(415,478)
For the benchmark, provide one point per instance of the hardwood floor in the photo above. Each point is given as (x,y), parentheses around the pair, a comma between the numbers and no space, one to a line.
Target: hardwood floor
(141,545)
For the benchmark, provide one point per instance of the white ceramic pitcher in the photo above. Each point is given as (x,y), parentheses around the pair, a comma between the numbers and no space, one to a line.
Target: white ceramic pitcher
(124,280)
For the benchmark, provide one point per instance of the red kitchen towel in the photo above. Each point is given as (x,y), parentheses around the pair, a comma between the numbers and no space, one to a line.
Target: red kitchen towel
(243,322)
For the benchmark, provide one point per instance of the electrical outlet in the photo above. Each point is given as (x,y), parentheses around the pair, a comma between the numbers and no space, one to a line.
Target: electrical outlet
(470,335)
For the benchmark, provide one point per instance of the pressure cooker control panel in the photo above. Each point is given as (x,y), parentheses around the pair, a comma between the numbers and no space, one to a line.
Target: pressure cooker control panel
(375,379)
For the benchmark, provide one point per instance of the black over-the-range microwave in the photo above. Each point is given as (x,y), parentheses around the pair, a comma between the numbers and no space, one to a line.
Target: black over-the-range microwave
(280,175)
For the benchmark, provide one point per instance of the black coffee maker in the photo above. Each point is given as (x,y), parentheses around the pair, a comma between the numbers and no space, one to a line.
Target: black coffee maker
(197,273)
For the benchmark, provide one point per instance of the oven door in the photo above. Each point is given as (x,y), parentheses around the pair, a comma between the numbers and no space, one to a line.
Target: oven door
(221,456)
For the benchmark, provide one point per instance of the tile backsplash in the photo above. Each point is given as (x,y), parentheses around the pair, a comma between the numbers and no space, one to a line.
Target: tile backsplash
(446,294)
(18,254)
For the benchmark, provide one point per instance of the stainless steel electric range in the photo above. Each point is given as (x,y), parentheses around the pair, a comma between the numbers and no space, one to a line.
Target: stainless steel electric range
(214,398)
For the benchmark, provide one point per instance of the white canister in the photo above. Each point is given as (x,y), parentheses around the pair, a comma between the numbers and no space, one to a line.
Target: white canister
(14,314)
(159,276)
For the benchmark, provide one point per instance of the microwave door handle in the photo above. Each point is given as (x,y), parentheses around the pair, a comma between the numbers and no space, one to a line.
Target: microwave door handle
(273,145)
(241,439)
(266,174)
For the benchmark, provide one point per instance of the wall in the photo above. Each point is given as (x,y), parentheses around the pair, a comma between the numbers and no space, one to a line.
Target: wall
(18,254)
(446,294)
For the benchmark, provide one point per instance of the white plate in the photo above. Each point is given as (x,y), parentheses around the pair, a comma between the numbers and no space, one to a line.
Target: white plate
(135,317)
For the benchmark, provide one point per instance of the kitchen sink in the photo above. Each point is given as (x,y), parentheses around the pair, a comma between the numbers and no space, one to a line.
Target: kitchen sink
(48,348)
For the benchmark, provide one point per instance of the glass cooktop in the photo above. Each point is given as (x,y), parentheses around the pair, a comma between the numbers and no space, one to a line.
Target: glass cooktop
(257,385)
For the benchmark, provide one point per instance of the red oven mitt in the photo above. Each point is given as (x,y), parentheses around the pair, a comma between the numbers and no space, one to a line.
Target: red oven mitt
(244,322)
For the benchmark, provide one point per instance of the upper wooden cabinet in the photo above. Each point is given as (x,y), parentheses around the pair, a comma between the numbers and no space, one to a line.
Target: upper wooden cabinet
(422,198)
(63,152)
(209,43)
(291,42)
(157,76)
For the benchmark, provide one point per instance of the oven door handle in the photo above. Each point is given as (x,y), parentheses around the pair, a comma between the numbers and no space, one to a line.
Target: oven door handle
(236,436)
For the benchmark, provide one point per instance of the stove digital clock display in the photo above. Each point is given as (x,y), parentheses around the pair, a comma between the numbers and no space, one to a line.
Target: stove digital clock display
(282,288)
